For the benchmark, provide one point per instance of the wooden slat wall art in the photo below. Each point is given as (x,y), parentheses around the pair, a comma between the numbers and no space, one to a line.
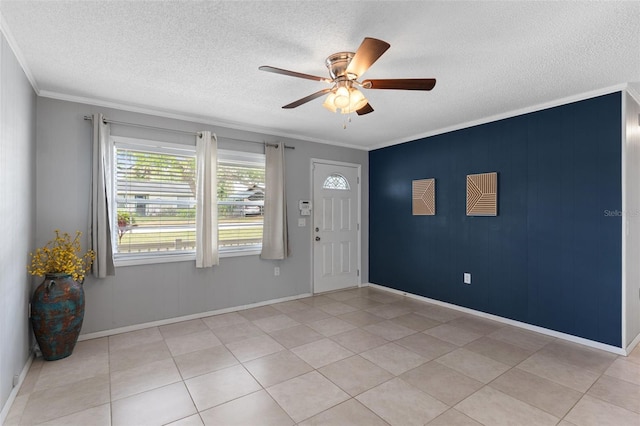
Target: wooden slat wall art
(424,197)
(482,194)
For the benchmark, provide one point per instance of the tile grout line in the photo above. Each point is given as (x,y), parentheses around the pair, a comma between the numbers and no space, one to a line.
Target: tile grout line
(331,338)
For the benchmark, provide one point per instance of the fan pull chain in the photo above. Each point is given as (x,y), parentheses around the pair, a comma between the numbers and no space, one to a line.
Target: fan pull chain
(347,119)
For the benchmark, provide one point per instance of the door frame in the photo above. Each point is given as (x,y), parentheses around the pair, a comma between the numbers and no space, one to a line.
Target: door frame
(358,168)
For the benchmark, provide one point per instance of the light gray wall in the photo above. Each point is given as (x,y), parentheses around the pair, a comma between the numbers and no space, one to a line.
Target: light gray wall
(17,215)
(140,294)
(632,218)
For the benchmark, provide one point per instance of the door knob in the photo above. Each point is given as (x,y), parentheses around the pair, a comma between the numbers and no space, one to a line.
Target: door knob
(317,229)
(317,238)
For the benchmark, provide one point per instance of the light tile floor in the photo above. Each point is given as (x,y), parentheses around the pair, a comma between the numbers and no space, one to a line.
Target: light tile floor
(354,357)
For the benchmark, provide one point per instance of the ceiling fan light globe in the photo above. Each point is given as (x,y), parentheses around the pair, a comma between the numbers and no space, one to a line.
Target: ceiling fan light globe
(328,102)
(357,100)
(342,91)
(360,104)
(341,99)
(330,107)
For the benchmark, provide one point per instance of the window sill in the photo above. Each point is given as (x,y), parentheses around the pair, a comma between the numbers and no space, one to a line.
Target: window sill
(150,260)
(240,253)
(135,261)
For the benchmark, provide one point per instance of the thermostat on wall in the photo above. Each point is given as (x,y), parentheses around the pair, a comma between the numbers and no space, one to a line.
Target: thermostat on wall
(305,207)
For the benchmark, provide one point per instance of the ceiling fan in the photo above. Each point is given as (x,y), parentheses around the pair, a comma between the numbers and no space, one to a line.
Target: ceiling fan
(345,68)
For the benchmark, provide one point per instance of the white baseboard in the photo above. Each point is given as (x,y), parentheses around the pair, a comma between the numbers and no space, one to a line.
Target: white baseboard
(524,325)
(158,323)
(633,344)
(14,392)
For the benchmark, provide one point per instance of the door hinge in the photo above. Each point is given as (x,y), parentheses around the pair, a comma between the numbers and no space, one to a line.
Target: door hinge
(358,180)
(358,227)
(358,272)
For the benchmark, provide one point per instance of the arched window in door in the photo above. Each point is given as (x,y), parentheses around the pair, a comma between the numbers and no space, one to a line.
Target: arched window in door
(336,181)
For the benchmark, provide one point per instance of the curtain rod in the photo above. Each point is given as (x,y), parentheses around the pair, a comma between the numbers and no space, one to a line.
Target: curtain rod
(185,132)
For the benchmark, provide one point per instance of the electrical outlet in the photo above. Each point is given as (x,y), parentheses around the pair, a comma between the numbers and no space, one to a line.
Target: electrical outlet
(302,222)
(276,271)
(16,380)
(467,278)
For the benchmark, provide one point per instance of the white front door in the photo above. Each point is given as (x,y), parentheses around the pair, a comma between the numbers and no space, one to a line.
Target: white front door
(336,221)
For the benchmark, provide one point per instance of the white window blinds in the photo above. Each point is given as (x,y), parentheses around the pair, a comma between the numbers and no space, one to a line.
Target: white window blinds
(155,193)
(156,204)
(240,201)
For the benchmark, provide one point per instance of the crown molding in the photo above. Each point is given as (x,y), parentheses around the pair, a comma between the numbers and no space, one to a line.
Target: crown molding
(635,94)
(13,45)
(4,28)
(190,118)
(510,114)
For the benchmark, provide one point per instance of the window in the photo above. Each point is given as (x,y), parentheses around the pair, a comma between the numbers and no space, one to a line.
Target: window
(155,214)
(155,200)
(240,201)
(336,181)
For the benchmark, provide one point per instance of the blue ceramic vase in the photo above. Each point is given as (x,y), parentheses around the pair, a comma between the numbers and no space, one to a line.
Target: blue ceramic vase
(57,311)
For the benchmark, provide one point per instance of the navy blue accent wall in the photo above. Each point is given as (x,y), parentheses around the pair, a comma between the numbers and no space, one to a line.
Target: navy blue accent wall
(551,258)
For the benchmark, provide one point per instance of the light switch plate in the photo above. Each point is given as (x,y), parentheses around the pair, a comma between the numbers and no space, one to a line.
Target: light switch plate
(467,278)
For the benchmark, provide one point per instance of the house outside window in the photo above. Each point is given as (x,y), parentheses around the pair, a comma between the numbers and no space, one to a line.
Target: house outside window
(154,190)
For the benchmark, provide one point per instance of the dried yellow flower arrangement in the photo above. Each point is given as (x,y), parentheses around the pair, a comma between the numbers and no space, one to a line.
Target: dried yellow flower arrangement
(62,255)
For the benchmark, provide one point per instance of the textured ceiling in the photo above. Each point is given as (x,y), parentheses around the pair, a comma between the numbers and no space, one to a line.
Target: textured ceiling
(201,59)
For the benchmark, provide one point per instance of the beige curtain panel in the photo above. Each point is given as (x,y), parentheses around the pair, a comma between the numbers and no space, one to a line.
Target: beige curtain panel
(275,237)
(100,233)
(206,200)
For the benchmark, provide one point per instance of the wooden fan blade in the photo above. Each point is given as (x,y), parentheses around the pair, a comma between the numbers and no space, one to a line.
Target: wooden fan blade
(365,110)
(306,99)
(368,52)
(292,73)
(401,84)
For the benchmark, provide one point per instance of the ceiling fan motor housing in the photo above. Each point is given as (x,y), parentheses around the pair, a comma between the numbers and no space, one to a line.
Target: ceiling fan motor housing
(337,65)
